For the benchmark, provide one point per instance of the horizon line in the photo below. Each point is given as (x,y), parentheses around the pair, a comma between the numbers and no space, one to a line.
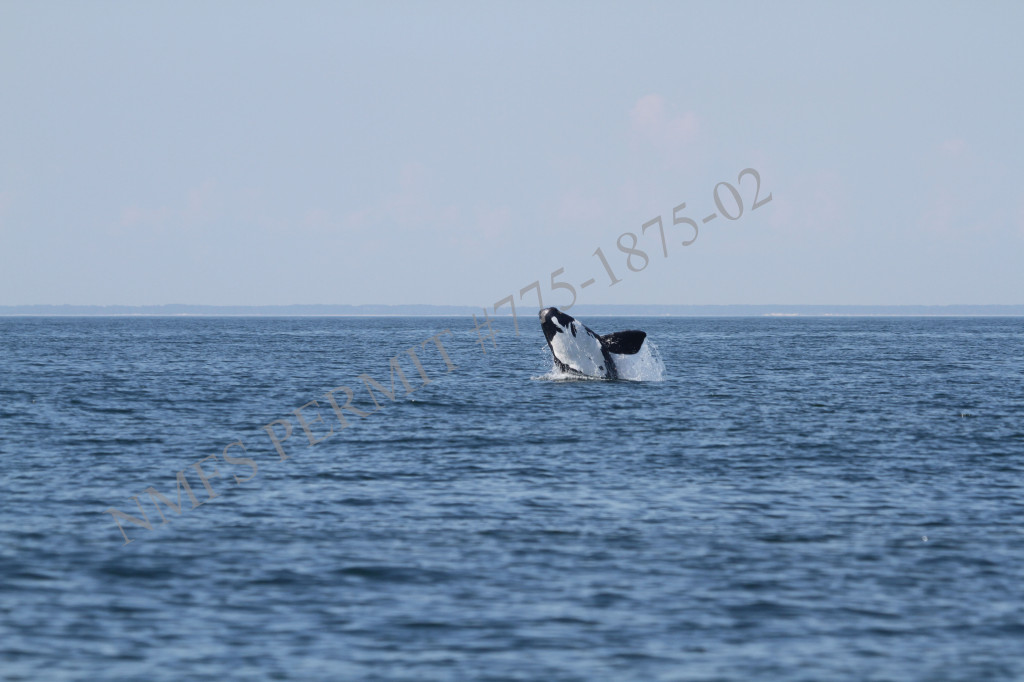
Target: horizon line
(593,309)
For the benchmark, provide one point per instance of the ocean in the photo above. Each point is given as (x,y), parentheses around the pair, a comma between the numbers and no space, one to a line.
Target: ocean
(786,499)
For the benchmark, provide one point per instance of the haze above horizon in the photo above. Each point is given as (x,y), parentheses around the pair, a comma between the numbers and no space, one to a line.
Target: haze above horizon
(239,154)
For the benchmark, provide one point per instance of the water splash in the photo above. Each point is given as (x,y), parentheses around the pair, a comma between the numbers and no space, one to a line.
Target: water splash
(644,366)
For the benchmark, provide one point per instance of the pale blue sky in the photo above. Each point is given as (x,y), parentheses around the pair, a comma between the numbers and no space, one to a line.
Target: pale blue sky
(452,153)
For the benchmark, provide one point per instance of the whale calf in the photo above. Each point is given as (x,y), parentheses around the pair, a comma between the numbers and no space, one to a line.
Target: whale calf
(578,350)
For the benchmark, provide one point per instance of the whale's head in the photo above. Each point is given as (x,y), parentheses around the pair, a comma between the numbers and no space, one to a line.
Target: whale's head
(553,321)
(574,346)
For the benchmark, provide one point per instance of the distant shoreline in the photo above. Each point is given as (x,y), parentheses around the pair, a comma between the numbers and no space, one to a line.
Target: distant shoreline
(582,310)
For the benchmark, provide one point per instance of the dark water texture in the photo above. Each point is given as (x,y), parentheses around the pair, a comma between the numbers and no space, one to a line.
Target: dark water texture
(801,499)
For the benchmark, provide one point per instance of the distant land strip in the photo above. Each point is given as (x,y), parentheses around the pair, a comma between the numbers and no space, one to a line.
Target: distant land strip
(582,310)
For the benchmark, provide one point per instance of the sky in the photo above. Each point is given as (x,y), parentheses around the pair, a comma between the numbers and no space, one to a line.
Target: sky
(268,153)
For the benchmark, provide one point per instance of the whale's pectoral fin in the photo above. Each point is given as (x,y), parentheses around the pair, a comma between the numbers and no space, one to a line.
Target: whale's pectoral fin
(624,343)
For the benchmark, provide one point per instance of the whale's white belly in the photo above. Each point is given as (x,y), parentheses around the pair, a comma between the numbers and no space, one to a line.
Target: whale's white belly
(581,352)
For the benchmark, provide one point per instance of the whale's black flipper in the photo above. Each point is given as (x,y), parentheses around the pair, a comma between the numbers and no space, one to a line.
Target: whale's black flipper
(623,343)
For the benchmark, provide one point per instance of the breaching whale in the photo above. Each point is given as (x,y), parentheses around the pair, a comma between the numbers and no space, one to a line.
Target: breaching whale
(578,350)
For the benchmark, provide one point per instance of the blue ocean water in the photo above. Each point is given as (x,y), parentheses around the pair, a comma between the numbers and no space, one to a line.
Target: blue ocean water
(798,499)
